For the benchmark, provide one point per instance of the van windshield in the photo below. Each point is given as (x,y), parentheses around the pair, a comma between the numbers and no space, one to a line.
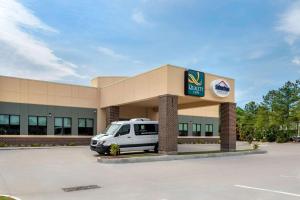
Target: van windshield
(111,129)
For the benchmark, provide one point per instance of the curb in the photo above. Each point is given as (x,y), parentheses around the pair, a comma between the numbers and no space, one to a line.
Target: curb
(29,148)
(177,157)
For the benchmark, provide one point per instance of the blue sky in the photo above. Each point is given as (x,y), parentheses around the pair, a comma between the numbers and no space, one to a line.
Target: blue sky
(255,42)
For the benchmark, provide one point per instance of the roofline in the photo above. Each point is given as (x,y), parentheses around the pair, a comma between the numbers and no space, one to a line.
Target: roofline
(27,79)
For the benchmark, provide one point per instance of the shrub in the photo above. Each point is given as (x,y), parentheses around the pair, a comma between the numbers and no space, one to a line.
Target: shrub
(258,135)
(282,136)
(35,145)
(114,149)
(71,144)
(247,136)
(270,136)
(255,146)
(2,144)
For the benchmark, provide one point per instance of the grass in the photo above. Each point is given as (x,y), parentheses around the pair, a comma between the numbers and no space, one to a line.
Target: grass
(5,198)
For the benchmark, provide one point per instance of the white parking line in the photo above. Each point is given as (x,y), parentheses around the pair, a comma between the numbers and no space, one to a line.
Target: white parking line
(285,176)
(268,190)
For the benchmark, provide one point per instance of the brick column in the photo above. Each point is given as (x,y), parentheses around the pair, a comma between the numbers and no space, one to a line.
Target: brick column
(168,124)
(112,114)
(228,126)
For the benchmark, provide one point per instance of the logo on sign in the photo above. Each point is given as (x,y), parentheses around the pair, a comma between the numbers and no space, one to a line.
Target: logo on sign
(221,88)
(194,83)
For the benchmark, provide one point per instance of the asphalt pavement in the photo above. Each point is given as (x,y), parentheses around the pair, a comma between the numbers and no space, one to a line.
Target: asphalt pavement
(74,173)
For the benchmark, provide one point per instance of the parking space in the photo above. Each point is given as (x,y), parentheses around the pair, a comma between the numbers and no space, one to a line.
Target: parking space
(43,173)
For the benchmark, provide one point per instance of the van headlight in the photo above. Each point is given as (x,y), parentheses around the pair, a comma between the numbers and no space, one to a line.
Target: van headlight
(101,142)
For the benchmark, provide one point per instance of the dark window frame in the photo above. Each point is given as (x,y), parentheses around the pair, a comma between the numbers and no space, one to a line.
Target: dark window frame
(137,130)
(64,130)
(198,131)
(85,130)
(209,133)
(10,129)
(122,132)
(37,129)
(183,132)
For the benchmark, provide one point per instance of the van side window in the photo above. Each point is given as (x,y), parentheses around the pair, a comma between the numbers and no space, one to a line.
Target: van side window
(146,129)
(125,129)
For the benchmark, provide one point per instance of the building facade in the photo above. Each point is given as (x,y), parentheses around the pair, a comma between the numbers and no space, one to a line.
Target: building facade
(45,109)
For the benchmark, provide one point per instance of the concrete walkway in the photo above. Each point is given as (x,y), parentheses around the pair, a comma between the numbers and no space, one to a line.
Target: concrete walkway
(209,147)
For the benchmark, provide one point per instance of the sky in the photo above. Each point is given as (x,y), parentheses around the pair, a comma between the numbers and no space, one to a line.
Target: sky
(71,41)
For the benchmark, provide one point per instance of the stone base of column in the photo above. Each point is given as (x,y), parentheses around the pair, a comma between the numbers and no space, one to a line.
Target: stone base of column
(228,126)
(112,114)
(168,124)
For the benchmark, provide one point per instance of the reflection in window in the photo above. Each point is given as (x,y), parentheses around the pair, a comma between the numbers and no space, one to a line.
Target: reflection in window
(196,129)
(37,125)
(9,124)
(183,129)
(62,125)
(146,129)
(85,126)
(208,130)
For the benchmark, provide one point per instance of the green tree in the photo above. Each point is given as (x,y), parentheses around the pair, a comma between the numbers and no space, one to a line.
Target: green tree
(276,118)
(246,120)
(262,122)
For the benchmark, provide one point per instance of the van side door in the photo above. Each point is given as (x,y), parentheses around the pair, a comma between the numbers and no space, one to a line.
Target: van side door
(123,137)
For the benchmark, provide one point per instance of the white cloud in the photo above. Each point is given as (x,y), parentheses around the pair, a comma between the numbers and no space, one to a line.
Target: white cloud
(24,55)
(296,60)
(138,17)
(116,56)
(111,53)
(290,22)
(256,54)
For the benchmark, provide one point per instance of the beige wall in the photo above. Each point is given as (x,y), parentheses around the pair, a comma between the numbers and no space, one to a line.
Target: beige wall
(47,93)
(164,80)
(206,111)
(103,81)
(140,87)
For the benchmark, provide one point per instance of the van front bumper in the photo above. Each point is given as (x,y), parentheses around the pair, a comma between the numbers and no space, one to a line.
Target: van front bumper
(99,148)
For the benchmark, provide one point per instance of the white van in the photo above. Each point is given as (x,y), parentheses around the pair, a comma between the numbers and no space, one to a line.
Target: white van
(139,134)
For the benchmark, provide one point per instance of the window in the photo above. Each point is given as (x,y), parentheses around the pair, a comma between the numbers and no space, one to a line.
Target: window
(196,129)
(9,125)
(183,129)
(124,130)
(62,125)
(146,129)
(37,125)
(208,130)
(85,126)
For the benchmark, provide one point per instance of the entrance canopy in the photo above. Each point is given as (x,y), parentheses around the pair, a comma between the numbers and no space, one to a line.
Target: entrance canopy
(162,92)
(168,79)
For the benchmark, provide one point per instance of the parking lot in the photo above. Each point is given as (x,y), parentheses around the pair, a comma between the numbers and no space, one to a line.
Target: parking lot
(43,173)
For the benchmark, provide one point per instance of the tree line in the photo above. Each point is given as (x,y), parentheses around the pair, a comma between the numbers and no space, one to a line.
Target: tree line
(276,118)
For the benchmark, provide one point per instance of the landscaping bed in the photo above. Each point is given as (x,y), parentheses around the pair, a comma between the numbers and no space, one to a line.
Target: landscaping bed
(5,197)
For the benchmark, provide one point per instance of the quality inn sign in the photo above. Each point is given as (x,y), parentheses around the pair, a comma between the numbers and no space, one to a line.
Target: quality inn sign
(194,82)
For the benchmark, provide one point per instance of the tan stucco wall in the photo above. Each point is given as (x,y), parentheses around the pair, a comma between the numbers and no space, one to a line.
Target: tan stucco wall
(136,88)
(103,81)
(163,80)
(47,93)
(207,111)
